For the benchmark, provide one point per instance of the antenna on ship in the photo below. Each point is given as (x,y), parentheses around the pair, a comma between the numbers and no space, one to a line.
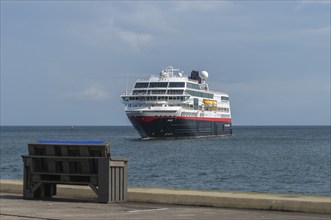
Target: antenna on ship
(204,76)
(127,81)
(171,70)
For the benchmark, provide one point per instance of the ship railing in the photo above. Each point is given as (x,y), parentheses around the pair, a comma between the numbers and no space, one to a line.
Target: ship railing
(153,94)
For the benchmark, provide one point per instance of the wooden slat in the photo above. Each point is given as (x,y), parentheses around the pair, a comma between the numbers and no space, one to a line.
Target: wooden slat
(116,163)
(62,157)
(59,174)
(83,151)
(63,182)
(50,150)
(64,150)
(113,198)
(121,185)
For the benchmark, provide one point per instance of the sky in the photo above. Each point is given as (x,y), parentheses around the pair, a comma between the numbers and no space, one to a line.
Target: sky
(68,62)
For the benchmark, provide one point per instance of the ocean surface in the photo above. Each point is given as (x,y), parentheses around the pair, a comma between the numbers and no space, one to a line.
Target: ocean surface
(279,159)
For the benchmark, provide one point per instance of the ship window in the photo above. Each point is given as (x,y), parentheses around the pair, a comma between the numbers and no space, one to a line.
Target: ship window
(207,95)
(225,98)
(141,85)
(177,92)
(194,93)
(193,86)
(195,103)
(139,92)
(150,98)
(225,110)
(158,84)
(177,84)
(190,92)
(200,94)
(157,91)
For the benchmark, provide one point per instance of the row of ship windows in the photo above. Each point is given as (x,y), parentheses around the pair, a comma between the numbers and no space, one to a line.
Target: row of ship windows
(155,105)
(157,92)
(166,84)
(225,110)
(175,92)
(188,107)
(159,85)
(205,108)
(154,98)
(165,98)
(200,94)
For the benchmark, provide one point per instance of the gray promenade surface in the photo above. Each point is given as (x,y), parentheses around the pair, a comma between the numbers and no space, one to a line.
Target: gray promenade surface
(12,206)
(79,202)
(240,200)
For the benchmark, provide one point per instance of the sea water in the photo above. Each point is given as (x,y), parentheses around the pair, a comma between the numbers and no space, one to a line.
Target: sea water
(279,159)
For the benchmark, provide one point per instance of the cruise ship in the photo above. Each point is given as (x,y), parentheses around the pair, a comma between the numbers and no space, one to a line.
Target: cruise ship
(172,105)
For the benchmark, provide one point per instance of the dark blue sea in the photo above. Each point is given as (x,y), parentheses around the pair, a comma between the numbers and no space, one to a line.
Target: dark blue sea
(279,159)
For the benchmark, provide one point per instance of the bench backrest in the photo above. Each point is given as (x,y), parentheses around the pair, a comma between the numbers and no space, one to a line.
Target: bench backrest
(69,149)
(65,158)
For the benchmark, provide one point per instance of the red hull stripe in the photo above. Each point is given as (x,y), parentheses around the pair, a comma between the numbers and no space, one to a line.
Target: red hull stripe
(151,118)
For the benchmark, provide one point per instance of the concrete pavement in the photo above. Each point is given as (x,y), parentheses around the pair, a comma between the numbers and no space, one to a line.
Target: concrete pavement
(13,207)
(151,196)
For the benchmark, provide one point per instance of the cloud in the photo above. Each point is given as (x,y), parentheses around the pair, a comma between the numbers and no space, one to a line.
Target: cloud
(324,31)
(280,101)
(90,93)
(182,6)
(135,40)
(306,3)
(107,34)
(142,24)
(318,36)
(291,93)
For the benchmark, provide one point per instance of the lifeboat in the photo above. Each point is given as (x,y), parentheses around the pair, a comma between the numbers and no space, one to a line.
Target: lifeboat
(207,102)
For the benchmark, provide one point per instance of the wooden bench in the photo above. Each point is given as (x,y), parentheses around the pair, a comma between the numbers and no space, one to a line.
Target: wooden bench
(76,163)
